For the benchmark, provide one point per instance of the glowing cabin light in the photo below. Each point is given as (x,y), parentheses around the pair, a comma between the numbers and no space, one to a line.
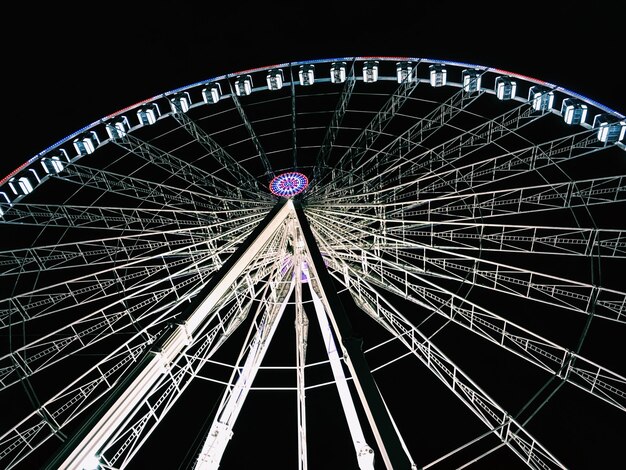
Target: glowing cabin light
(438,75)
(505,88)
(212,93)
(471,80)
(54,163)
(405,71)
(148,114)
(275,79)
(243,85)
(21,186)
(541,98)
(338,72)
(288,184)
(306,74)
(118,127)
(610,129)
(573,111)
(86,143)
(180,102)
(25,186)
(370,71)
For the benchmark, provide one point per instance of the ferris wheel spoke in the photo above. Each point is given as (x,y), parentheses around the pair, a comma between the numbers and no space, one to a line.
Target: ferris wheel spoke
(474,236)
(121,249)
(294,126)
(567,365)
(217,237)
(601,382)
(92,252)
(49,419)
(353,157)
(512,238)
(468,142)
(109,218)
(499,421)
(197,179)
(146,191)
(320,169)
(434,261)
(239,172)
(465,142)
(269,172)
(397,160)
(96,286)
(397,151)
(533,238)
(562,293)
(473,176)
(132,312)
(93,290)
(513,201)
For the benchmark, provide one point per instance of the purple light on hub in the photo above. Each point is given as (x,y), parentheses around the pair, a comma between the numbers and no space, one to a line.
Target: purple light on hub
(289,184)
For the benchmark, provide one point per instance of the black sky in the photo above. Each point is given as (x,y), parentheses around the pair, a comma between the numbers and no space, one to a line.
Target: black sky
(66,67)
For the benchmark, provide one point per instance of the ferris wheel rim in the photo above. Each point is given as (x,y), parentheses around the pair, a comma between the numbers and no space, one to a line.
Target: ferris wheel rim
(348,210)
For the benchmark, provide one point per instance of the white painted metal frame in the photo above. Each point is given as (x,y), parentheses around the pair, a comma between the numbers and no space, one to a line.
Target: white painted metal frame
(418,202)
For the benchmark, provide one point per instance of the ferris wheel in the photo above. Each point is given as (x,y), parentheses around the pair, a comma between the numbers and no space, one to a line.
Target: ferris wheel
(393,262)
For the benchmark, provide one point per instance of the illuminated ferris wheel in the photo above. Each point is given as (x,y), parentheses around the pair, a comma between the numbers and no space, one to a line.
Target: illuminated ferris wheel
(394,262)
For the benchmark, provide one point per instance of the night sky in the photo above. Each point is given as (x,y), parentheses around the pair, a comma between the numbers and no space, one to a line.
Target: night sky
(64,68)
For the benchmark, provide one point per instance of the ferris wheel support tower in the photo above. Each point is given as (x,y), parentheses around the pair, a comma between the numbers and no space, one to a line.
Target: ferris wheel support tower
(83,450)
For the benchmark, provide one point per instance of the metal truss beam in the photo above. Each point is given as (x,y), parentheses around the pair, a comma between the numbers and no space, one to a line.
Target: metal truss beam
(412,285)
(87,442)
(500,422)
(389,443)
(364,142)
(225,318)
(193,176)
(109,218)
(224,159)
(321,161)
(269,173)
(142,190)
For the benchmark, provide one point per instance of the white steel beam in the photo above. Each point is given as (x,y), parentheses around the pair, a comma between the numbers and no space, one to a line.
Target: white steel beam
(365,454)
(221,430)
(154,365)
(389,442)
(302,332)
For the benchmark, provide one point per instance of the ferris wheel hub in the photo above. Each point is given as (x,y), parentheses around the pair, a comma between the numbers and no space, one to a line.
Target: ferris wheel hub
(288,184)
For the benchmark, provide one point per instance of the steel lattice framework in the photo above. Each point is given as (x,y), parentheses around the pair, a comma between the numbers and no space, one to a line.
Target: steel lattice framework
(346,252)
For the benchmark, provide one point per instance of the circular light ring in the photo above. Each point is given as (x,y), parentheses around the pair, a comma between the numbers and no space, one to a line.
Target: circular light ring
(288,184)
